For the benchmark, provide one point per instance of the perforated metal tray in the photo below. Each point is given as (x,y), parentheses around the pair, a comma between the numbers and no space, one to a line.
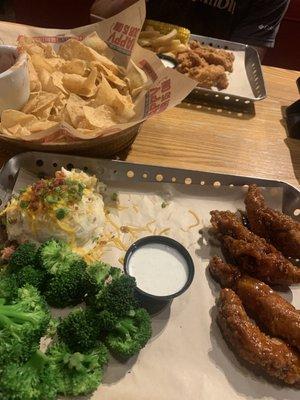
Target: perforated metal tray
(253,71)
(45,164)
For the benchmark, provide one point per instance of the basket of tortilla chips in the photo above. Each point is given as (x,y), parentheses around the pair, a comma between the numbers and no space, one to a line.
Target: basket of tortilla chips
(90,87)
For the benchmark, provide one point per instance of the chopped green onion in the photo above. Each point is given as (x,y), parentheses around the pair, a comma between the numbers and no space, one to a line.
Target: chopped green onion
(114,196)
(51,199)
(164,204)
(24,204)
(61,213)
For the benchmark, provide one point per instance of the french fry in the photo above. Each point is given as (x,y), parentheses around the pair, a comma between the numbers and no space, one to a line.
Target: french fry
(173,45)
(149,34)
(154,40)
(162,40)
(145,43)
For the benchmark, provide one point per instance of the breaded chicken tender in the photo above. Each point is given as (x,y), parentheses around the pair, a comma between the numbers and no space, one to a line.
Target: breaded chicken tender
(253,254)
(206,65)
(271,355)
(214,56)
(271,311)
(210,76)
(277,228)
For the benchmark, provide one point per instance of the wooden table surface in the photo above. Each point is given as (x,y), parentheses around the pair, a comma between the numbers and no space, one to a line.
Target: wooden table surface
(207,140)
(200,139)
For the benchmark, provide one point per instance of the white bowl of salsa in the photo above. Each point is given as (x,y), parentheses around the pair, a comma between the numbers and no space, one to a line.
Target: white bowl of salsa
(14,78)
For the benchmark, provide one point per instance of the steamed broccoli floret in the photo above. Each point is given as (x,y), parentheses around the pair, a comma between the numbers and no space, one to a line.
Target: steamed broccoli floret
(32,276)
(117,296)
(68,287)
(24,255)
(22,324)
(79,330)
(56,256)
(78,374)
(52,328)
(34,380)
(106,321)
(8,287)
(130,334)
(96,275)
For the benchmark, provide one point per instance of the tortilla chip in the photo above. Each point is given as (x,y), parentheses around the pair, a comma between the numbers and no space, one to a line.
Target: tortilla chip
(33,46)
(55,83)
(80,85)
(35,84)
(111,77)
(19,124)
(39,62)
(95,42)
(48,50)
(100,117)
(40,104)
(75,66)
(56,62)
(39,126)
(10,118)
(72,48)
(74,108)
(137,79)
(38,101)
(30,45)
(122,105)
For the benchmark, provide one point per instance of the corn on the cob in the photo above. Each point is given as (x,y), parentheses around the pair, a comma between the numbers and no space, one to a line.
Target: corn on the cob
(183,34)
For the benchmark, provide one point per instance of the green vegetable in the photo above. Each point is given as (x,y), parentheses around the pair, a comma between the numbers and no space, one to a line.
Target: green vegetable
(24,255)
(22,324)
(52,328)
(130,334)
(117,296)
(56,256)
(79,330)
(114,196)
(164,204)
(97,273)
(24,204)
(61,213)
(34,380)
(32,276)
(51,199)
(106,321)
(77,373)
(67,287)
(8,287)
(74,191)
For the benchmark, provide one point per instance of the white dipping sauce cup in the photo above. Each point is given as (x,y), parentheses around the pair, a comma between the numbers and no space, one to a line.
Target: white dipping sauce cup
(14,78)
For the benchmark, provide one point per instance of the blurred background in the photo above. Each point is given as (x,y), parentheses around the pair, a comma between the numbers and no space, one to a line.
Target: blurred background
(52,13)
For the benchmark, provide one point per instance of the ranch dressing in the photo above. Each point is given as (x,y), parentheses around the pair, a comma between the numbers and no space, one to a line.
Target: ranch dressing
(168,63)
(159,269)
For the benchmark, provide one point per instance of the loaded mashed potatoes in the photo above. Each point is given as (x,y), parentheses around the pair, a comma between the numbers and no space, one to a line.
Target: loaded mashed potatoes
(68,207)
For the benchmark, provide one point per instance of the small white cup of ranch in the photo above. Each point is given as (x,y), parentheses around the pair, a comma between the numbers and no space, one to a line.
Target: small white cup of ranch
(14,78)
(162,267)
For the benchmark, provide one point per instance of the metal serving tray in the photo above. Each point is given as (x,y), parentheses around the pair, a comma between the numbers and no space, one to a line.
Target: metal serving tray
(185,330)
(43,164)
(252,66)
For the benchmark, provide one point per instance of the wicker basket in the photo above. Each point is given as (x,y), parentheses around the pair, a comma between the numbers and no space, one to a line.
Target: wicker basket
(105,146)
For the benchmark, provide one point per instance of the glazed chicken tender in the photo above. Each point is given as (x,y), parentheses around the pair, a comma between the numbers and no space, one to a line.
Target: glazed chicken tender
(272,355)
(253,254)
(272,312)
(277,228)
